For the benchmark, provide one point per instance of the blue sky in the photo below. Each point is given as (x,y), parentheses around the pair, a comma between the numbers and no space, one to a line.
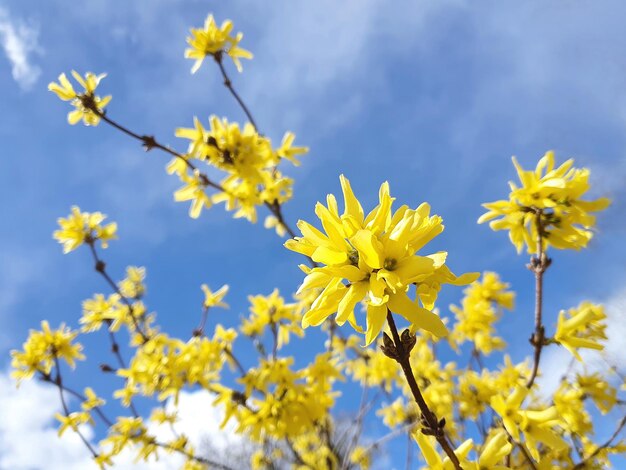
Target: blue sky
(433,96)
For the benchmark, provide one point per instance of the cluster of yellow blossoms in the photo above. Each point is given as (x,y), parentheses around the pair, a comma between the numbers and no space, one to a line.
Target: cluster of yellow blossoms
(373,259)
(285,406)
(84,227)
(480,309)
(89,106)
(247,157)
(547,207)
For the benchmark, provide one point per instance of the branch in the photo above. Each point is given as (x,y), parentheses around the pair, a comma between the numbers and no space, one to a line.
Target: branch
(400,351)
(538,264)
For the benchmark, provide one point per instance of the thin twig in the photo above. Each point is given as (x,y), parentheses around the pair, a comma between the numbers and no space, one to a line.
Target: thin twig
(538,264)
(58,381)
(100,267)
(229,84)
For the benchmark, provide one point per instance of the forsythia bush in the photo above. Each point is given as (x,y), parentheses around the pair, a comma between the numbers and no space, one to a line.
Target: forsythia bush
(369,268)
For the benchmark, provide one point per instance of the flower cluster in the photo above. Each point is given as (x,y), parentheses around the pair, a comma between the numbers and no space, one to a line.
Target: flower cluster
(84,227)
(547,207)
(271,312)
(215,41)
(89,106)
(43,348)
(581,327)
(373,259)
(480,309)
(248,159)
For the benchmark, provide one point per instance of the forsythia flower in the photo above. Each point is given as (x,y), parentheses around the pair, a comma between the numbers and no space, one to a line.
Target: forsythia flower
(214,299)
(88,105)
(213,40)
(434,460)
(133,287)
(549,204)
(92,400)
(84,227)
(72,420)
(536,425)
(376,255)
(42,348)
(193,191)
(272,311)
(581,327)
(476,317)
(249,161)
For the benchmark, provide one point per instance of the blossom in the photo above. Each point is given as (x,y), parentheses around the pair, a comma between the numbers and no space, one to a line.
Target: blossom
(213,40)
(89,106)
(478,313)
(43,348)
(194,191)
(374,259)
(537,425)
(72,420)
(214,299)
(84,227)
(434,460)
(581,327)
(249,161)
(548,204)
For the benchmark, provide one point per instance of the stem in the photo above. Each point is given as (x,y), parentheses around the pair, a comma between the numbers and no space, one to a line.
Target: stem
(149,142)
(100,266)
(99,412)
(66,411)
(229,84)
(538,264)
(402,357)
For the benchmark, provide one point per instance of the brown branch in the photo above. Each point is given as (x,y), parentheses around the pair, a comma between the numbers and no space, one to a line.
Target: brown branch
(58,381)
(538,265)
(100,267)
(229,84)
(400,351)
(148,142)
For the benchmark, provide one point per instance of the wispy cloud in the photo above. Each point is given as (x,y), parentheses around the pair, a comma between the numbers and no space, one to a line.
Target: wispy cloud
(19,42)
(28,436)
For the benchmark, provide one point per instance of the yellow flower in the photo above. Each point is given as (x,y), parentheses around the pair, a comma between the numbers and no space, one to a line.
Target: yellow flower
(287,151)
(214,299)
(92,400)
(213,40)
(376,257)
(549,204)
(434,460)
(132,287)
(194,191)
(581,327)
(42,348)
(478,314)
(88,105)
(72,421)
(84,227)
(537,425)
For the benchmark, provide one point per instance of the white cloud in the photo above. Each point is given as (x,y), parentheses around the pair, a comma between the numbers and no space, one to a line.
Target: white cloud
(19,41)
(29,441)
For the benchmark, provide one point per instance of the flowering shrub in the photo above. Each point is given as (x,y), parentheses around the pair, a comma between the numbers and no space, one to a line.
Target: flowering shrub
(371,269)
